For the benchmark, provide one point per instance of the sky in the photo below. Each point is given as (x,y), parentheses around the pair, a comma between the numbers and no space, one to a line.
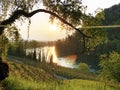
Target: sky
(92,5)
(40,28)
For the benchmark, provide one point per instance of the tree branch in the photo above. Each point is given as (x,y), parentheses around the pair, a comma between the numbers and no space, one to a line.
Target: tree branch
(19,13)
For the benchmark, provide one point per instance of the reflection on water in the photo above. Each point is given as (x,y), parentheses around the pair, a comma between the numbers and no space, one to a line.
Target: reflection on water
(44,53)
(48,54)
(66,63)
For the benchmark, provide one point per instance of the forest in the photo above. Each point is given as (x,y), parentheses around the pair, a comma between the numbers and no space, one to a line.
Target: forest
(96,49)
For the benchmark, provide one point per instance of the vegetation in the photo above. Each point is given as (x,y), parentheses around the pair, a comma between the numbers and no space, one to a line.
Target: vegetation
(14,83)
(29,75)
(83,67)
(26,77)
(63,11)
(110,65)
(58,70)
(112,15)
(87,43)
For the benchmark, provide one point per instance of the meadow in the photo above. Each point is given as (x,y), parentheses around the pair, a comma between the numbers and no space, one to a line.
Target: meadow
(33,77)
(13,83)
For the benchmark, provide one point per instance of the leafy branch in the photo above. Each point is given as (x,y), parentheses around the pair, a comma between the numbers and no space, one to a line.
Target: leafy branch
(16,14)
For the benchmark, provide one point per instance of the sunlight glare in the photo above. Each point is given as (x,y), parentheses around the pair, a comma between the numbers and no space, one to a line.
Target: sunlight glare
(53,27)
(55,59)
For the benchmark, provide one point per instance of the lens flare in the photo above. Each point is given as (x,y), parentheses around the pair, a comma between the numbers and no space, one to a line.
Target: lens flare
(55,59)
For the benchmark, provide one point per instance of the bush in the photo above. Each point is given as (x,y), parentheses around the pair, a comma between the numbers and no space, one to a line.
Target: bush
(83,67)
(110,66)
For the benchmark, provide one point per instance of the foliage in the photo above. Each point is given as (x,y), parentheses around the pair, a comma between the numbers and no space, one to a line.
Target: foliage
(25,77)
(70,10)
(98,35)
(12,5)
(112,15)
(32,72)
(33,44)
(110,66)
(3,46)
(65,47)
(17,48)
(83,67)
(76,84)
(111,37)
(67,11)
(71,73)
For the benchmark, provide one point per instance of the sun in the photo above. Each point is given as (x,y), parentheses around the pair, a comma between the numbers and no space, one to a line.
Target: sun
(53,27)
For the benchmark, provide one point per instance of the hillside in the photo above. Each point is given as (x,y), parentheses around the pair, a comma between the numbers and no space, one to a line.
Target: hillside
(28,77)
(112,15)
(25,75)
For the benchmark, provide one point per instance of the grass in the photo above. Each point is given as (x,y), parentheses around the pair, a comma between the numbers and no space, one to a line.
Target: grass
(27,76)
(62,71)
(13,83)
(78,84)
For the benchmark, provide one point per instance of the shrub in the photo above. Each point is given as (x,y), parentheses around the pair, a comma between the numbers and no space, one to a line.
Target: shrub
(110,66)
(83,67)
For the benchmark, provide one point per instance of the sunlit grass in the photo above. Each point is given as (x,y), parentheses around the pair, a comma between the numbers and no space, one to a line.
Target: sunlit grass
(13,83)
(85,85)
(26,77)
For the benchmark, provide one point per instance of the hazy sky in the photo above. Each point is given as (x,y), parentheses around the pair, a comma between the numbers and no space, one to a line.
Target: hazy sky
(94,4)
(40,26)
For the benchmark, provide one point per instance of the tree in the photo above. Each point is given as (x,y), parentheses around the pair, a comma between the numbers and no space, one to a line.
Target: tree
(3,46)
(63,10)
(98,34)
(68,12)
(110,66)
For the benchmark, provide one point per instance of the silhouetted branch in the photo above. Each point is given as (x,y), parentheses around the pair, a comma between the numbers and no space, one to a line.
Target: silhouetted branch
(16,14)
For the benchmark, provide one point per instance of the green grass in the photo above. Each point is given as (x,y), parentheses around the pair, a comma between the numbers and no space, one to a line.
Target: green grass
(78,84)
(13,83)
(27,76)
(28,72)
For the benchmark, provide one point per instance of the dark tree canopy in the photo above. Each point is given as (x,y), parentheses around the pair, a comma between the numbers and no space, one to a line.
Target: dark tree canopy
(67,11)
(19,13)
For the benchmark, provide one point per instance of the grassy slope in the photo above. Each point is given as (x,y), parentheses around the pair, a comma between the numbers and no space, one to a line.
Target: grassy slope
(25,77)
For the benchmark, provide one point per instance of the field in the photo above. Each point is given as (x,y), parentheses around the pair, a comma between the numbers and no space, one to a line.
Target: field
(28,77)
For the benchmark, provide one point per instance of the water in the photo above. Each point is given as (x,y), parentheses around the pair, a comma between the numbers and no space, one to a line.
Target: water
(48,54)
(66,63)
(44,53)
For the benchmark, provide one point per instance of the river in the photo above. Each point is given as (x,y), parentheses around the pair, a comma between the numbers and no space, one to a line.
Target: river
(49,54)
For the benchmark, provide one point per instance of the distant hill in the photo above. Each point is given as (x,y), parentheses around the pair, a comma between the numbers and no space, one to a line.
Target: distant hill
(112,15)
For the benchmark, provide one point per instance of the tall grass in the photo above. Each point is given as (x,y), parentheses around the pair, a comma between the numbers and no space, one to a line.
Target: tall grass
(85,85)
(13,83)
(29,77)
